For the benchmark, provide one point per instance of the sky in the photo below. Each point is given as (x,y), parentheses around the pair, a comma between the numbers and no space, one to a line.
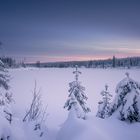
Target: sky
(65,30)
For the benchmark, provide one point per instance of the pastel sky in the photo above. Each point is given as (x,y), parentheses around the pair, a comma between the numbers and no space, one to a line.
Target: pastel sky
(63,30)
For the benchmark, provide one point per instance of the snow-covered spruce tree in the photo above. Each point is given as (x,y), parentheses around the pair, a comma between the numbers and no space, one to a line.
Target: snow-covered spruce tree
(127,99)
(5,96)
(104,105)
(5,102)
(77,97)
(36,114)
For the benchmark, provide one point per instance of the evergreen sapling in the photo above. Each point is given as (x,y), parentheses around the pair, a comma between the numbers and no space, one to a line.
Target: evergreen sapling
(104,105)
(77,97)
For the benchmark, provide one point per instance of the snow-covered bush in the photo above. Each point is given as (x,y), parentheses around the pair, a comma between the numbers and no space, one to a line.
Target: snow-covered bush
(127,99)
(36,115)
(77,97)
(104,105)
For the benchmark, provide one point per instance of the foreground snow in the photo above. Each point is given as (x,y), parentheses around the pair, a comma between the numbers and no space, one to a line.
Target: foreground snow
(54,89)
(98,129)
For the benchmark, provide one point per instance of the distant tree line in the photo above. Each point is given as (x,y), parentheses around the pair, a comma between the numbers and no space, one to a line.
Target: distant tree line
(8,61)
(107,63)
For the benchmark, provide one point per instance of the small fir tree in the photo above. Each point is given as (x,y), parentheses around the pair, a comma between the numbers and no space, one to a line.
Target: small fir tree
(127,99)
(104,105)
(77,97)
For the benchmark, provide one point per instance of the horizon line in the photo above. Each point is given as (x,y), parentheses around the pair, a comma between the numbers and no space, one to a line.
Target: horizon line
(100,59)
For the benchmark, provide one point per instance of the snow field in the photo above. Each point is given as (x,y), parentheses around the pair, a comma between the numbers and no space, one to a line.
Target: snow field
(53,83)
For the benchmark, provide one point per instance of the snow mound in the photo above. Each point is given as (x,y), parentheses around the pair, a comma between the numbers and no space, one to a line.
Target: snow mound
(97,129)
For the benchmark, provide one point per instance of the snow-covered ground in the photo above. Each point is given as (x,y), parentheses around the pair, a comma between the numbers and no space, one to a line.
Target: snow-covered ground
(53,83)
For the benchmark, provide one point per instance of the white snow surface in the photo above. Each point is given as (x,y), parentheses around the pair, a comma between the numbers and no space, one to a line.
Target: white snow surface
(54,85)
